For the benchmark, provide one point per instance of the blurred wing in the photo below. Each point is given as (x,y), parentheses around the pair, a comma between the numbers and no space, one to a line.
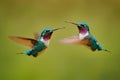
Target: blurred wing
(75,39)
(25,41)
(36,35)
(72,39)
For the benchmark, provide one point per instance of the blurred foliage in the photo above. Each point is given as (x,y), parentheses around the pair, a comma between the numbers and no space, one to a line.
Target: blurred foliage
(60,61)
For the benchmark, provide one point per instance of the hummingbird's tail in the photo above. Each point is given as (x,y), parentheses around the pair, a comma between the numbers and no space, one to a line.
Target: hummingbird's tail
(23,53)
(20,53)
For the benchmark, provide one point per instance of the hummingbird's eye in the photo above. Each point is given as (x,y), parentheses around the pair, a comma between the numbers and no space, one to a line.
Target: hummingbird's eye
(47,31)
(82,25)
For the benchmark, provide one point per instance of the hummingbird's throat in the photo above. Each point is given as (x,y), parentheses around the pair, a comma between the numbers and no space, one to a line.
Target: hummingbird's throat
(47,36)
(83,31)
(46,39)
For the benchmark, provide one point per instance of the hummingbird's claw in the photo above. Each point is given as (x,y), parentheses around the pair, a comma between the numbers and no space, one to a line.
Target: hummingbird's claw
(107,50)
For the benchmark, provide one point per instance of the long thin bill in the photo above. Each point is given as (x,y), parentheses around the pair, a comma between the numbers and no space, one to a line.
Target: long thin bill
(71,22)
(58,28)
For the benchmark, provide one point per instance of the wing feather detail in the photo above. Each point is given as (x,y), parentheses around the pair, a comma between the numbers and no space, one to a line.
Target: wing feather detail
(24,41)
(36,35)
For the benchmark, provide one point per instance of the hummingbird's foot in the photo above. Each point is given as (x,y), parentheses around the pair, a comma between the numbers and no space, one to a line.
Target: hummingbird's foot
(35,55)
(107,50)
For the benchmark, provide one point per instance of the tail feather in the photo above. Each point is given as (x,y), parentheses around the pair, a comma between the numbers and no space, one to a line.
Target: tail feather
(23,53)
(20,53)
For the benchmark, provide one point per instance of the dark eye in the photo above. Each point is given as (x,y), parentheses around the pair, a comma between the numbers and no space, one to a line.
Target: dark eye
(82,25)
(47,31)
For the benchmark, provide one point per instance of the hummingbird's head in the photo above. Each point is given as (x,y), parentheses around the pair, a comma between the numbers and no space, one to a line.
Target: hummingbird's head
(82,27)
(47,32)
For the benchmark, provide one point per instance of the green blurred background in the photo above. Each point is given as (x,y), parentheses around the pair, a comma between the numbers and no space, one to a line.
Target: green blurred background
(60,61)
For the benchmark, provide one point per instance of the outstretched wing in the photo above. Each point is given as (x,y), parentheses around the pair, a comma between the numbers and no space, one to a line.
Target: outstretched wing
(36,35)
(75,39)
(25,41)
(72,39)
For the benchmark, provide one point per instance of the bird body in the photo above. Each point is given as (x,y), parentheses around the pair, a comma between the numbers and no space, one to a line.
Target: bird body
(36,49)
(37,45)
(84,37)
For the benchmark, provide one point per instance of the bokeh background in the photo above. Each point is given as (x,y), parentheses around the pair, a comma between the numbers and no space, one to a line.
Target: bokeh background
(60,61)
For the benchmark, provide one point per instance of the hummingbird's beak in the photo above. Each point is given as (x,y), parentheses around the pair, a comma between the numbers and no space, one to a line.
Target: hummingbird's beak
(57,29)
(72,23)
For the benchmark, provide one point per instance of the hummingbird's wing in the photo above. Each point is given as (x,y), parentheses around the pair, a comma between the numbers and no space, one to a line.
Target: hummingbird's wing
(74,39)
(25,41)
(36,35)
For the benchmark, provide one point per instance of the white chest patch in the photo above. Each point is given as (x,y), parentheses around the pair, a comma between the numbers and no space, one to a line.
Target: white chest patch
(45,42)
(82,36)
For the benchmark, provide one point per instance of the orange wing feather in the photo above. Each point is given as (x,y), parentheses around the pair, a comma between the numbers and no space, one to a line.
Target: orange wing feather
(25,41)
(36,35)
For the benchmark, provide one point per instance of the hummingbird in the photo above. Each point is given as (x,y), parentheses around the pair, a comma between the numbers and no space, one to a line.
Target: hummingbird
(84,37)
(37,45)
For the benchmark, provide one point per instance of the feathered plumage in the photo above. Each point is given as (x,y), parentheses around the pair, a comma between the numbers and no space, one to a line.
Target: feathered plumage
(84,37)
(37,45)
